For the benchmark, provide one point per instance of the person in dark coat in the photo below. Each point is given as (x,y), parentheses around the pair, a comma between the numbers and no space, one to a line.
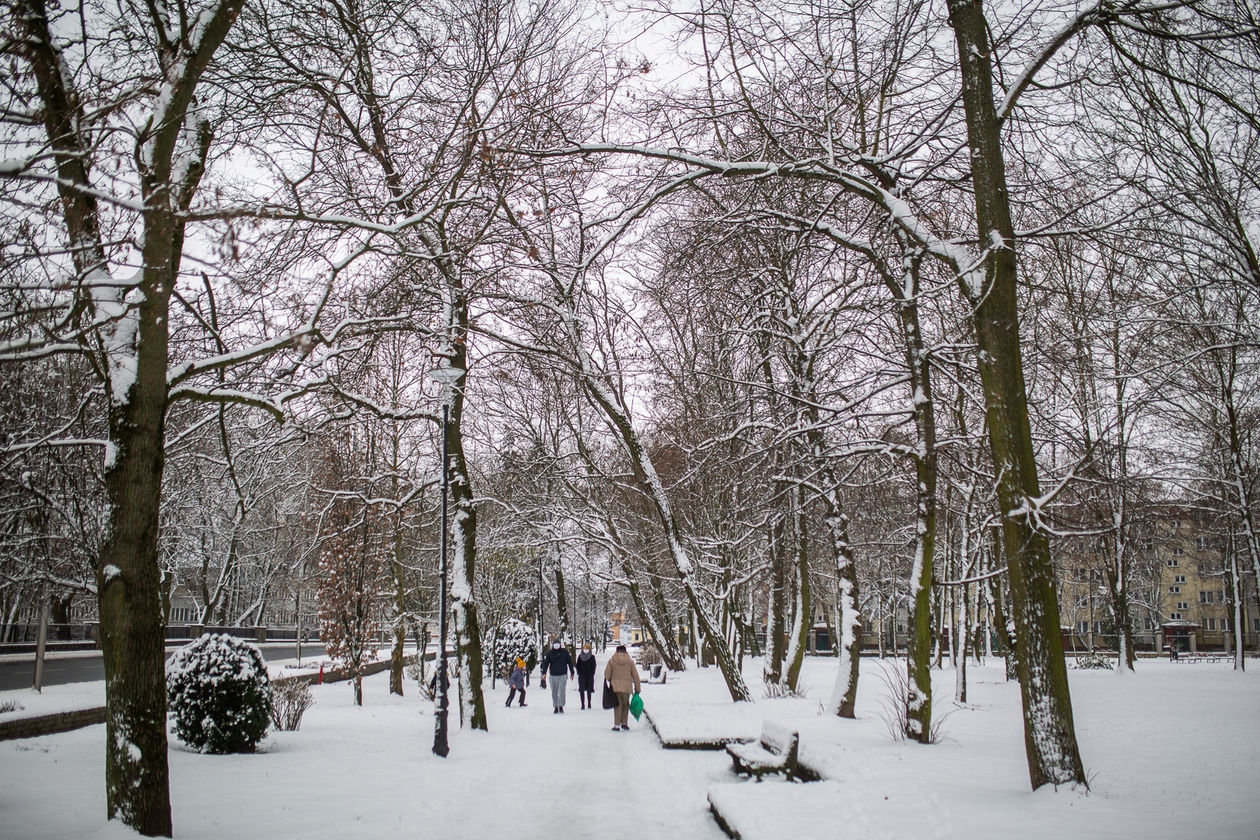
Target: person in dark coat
(586,675)
(557,667)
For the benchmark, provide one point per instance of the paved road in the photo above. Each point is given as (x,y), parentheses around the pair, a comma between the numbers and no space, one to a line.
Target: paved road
(87,666)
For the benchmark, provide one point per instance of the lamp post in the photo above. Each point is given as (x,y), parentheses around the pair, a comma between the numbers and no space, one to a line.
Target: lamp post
(447,377)
(541,645)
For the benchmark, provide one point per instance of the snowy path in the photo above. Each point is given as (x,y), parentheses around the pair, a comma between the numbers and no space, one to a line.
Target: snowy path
(369,773)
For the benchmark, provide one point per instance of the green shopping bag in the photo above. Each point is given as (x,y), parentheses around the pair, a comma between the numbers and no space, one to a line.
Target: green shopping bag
(636,705)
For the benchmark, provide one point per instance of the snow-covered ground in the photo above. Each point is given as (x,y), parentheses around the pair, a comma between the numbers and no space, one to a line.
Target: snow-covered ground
(1172,753)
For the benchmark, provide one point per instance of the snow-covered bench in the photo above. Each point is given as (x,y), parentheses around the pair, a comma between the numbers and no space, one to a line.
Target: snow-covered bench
(774,753)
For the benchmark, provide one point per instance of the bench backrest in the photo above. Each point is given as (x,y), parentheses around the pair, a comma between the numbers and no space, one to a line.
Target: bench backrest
(777,738)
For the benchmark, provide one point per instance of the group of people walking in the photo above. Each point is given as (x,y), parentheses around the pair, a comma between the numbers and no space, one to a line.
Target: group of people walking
(558,667)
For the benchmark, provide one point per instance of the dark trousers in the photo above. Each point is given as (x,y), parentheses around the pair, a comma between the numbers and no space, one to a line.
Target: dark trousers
(512,694)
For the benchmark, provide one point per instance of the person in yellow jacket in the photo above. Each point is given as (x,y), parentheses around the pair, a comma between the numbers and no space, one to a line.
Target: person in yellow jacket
(624,676)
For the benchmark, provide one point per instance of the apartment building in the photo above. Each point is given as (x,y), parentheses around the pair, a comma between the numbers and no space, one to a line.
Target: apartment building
(1180,588)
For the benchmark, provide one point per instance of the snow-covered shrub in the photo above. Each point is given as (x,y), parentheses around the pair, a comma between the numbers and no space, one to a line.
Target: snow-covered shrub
(10,706)
(515,639)
(217,688)
(289,701)
(1093,662)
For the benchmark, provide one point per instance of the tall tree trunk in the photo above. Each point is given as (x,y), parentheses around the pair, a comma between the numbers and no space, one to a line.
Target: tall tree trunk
(776,602)
(396,658)
(133,346)
(472,703)
(562,609)
(1049,731)
(801,616)
(843,700)
(132,636)
(919,636)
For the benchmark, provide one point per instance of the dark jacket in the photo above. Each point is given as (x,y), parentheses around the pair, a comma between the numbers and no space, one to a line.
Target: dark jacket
(557,662)
(517,679)
(586,671)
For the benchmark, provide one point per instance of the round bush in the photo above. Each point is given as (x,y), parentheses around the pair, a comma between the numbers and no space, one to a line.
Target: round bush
(218,690)
(515,639)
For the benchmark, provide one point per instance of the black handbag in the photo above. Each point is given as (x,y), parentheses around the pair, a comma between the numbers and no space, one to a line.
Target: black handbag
(610,696)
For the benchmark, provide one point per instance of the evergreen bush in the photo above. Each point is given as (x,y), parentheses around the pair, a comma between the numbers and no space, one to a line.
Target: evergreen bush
(218,691)
(515,639)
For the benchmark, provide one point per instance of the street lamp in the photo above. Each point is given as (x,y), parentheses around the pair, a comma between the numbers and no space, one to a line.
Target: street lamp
(447,376)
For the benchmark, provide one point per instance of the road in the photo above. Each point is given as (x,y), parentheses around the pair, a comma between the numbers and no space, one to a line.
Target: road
(18,670)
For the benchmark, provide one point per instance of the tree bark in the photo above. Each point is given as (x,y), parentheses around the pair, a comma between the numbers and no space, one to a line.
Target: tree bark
(1049,732)
(800,615)
(919,637)
(464,555)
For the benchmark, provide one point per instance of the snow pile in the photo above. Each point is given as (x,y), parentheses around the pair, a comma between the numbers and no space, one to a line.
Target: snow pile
(218,691)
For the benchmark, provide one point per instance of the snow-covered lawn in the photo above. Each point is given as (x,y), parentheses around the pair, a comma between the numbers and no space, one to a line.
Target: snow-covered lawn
(369,773)
(1173,752)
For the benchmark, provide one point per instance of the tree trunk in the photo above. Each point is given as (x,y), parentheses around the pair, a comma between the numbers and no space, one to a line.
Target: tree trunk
(396,658)
(472,704)
(800,619)
(776,603)
(562,609)
(919,637)
(1049,732)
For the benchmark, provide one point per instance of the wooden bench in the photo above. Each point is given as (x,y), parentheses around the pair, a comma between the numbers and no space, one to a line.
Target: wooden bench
(774,753)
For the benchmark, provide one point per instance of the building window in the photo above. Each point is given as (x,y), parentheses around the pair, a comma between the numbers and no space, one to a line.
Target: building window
(1255,625)
(1175,590)
(1172,563)
(1178,550)
(1179,579)
(1202,543)
(1175,616)
(1148,624)
(1182,605)
(1207,597)
(1210,623)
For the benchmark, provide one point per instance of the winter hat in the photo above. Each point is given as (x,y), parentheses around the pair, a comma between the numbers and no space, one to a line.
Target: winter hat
(520,663)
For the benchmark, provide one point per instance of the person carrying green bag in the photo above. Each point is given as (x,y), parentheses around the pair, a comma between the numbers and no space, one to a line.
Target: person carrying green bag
(636,705)
(623,674)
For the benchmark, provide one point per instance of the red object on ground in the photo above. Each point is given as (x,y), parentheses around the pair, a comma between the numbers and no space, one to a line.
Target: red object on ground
(321,673)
